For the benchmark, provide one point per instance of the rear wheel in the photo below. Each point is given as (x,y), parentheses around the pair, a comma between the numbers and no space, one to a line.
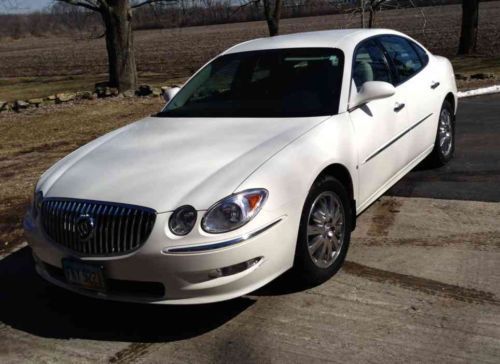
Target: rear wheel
(444,146)
(325,231)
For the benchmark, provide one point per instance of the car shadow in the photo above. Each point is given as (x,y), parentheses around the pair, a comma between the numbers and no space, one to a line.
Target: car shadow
(287,283)
(29,304)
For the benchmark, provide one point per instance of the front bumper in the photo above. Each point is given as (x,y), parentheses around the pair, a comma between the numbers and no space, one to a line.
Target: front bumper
(154,274)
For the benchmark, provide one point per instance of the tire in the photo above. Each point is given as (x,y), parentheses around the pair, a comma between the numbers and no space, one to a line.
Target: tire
(442,154)
(313,268)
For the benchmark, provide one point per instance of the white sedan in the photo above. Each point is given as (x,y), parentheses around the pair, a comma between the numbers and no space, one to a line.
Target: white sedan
(260,163)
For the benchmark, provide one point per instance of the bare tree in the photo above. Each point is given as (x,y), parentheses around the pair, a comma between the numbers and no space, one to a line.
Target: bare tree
(470,21)
(272,13)
(373,7)
(117,18)
(9,4)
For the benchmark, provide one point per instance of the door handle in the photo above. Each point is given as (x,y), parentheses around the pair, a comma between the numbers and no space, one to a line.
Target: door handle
(399,107)
(434,85)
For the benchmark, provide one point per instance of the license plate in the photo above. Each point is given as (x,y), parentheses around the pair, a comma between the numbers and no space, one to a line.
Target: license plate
(84,275)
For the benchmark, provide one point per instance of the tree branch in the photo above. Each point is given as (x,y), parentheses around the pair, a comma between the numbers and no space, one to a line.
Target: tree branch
(250,2)
(148,2)
(82,3)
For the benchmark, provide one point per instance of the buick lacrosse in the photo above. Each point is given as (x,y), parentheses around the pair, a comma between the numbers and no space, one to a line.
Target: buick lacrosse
(259,163)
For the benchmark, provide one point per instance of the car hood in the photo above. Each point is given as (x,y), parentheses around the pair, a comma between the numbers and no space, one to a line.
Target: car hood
(163,163)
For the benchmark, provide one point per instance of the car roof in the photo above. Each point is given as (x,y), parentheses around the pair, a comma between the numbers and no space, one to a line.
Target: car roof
(344,39)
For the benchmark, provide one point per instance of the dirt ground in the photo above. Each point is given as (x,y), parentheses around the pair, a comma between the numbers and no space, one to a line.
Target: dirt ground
(35,67)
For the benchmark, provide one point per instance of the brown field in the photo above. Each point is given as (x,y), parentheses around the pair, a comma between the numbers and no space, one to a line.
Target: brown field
(34,67)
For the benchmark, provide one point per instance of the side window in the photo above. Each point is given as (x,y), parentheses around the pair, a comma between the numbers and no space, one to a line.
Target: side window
(370,64)
(403,56)
(424,57)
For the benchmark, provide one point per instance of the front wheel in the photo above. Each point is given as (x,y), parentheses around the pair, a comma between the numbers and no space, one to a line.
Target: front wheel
(324,232)
(444,146)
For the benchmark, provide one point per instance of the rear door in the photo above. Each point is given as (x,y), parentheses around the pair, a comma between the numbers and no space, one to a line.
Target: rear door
(414,82)
(378,125)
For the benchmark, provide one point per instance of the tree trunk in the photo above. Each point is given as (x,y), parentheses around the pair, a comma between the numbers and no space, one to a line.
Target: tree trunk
(371,19)
(273,16)
(117,17)
(470,20)
(362,7)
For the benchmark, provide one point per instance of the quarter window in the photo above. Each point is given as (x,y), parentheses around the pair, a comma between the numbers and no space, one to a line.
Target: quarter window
(370,64)
(403,56)
(424,57)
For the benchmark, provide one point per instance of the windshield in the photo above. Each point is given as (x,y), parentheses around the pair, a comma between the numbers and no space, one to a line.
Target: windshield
(268,83)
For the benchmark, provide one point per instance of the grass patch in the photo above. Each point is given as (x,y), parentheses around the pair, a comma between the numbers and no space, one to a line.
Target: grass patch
(476,64)
(25,88)
(32,141)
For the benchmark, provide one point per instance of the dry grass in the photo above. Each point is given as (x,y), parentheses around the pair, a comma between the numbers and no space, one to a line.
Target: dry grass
(163,55)
(25,88)
(475,64)
(32,141)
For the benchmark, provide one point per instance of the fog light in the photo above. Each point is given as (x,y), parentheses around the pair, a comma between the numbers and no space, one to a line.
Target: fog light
(234,269)
(182,220)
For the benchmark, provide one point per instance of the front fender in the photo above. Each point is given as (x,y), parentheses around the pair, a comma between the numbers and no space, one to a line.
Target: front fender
(290,174)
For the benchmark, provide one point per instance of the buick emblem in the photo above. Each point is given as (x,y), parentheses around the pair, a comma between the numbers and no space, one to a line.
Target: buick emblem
(85,225)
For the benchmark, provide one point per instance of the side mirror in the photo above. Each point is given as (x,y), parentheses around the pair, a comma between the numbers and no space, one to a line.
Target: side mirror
(170,93)
(371,90)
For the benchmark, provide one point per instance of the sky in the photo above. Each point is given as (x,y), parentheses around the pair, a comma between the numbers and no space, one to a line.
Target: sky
(29,5)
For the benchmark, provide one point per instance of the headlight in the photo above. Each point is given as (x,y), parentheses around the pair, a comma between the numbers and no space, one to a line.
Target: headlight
(234,211)
(182,220)
(37,203)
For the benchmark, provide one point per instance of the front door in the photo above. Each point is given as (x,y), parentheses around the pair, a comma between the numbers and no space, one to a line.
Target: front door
(379,126)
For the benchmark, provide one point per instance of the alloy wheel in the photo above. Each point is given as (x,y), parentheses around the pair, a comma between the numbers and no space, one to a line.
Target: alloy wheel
(445,132)
(325,229)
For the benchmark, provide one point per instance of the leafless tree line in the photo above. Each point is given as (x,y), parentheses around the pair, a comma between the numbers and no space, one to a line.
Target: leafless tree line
(67,18)
(117,18)
(64,18)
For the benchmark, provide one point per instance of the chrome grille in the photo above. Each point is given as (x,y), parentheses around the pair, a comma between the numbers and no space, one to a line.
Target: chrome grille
(114,228)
